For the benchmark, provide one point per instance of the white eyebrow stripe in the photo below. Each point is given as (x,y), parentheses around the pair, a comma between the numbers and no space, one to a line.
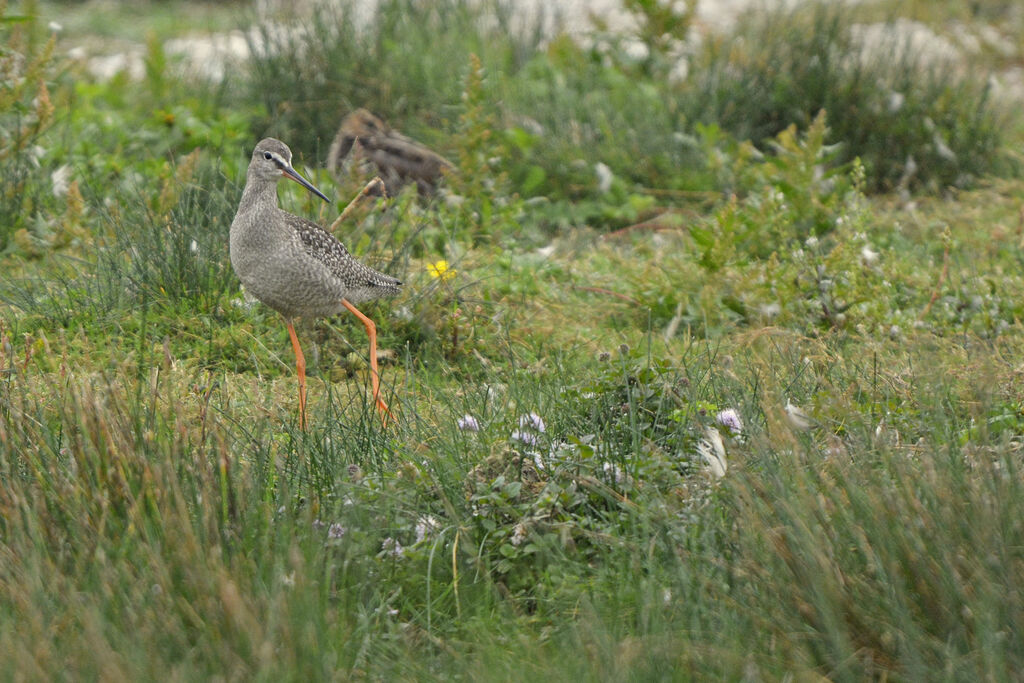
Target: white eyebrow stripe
(281,162)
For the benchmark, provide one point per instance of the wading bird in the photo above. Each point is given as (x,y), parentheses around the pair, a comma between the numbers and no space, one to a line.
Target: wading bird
(366,140)
(296,267)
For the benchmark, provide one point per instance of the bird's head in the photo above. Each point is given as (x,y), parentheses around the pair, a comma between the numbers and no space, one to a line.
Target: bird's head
(272,160)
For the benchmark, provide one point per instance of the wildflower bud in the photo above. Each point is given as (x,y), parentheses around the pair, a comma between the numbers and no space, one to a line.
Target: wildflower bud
(390,547)
(730,419)
(531,421)
(868,256)
(468,423)
(528,439)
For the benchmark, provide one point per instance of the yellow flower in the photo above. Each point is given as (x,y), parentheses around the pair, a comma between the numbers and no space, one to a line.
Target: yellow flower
(440,270)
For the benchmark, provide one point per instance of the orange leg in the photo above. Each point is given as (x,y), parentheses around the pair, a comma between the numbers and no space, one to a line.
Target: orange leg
(371,331)
(300,368)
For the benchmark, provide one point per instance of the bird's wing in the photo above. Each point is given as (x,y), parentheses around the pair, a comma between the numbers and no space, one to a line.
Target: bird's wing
(407,157)
(328,250)
(320,244)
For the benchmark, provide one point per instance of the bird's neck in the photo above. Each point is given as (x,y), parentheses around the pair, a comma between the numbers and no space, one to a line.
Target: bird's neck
(259,194)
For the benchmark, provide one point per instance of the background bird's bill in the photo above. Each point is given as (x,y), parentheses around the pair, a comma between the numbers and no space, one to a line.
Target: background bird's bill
(294,175)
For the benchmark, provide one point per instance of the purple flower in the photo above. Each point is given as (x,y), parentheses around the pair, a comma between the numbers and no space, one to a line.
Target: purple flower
(390,546)
(730,419)
(538,461)
(531,421)
(425,526)
(526,438)
(336,531)
(468,423)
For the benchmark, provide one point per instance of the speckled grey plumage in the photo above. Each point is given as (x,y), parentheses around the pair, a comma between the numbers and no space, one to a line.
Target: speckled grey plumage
(287,262)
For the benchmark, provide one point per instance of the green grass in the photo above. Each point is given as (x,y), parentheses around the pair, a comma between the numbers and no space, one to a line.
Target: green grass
(163,516)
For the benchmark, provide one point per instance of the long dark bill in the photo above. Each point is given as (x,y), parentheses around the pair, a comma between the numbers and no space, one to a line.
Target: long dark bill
(294,175)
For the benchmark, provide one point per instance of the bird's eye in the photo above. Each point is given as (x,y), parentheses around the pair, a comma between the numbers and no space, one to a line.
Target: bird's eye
(268,156)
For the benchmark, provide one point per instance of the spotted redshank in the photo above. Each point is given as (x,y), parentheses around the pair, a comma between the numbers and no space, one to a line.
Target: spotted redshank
(365,139)
(296,267)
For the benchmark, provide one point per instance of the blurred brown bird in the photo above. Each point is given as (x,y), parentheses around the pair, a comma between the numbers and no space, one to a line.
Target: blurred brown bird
(365,139)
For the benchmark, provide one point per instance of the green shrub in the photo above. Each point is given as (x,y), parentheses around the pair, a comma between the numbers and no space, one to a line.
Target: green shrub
(28,75)
(913,123)
(406,62)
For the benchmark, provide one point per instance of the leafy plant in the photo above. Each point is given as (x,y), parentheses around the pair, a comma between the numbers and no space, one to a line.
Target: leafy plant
(28,73)
(912,123)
